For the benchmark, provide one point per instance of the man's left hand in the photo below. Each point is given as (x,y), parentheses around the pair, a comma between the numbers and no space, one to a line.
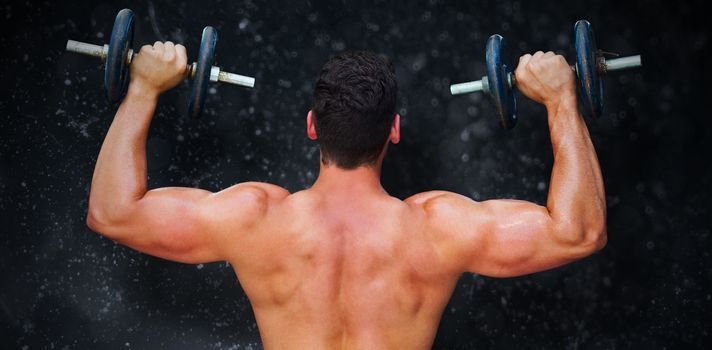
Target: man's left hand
(158,68)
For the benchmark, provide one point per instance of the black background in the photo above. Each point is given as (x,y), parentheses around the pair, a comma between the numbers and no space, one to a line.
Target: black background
(63,286)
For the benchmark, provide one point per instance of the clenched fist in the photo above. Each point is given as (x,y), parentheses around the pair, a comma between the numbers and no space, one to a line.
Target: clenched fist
(159,67)
(546,78)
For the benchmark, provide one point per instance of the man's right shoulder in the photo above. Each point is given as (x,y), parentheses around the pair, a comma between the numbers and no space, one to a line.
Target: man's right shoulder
(437,203)
(452,223)
(448,214)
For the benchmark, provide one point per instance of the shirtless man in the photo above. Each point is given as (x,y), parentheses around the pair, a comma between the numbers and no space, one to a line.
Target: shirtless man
(343,265)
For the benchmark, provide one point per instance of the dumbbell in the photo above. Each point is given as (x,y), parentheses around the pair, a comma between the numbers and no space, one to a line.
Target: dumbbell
(118,55)
(589,68)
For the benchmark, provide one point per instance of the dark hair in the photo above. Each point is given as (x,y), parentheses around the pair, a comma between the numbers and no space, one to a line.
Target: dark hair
(354,107)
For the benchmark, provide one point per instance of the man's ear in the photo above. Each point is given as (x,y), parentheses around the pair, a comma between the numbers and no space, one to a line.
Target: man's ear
(311,129)
(395,130)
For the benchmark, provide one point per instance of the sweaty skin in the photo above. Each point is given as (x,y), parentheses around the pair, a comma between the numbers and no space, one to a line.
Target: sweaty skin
(343,265)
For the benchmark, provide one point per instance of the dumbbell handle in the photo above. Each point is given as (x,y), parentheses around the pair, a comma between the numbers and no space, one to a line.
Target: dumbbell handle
(215,73)
(610,65)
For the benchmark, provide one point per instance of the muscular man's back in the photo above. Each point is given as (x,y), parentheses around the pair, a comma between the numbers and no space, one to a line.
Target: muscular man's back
(343,265)
(336,271)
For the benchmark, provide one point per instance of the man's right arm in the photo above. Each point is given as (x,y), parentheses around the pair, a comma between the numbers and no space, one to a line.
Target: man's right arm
(505,238)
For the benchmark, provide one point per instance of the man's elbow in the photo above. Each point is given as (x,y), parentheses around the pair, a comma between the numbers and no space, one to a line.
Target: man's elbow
(96,220)
(102,221)
(587,238)
(596,236)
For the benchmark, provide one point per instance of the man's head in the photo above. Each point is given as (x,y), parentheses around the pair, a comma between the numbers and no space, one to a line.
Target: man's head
(354,109)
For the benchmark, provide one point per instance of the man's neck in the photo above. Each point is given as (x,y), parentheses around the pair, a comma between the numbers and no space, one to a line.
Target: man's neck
(362,180)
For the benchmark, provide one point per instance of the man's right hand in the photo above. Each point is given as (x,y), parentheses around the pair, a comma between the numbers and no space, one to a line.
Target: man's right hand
(546,78)
(507,238)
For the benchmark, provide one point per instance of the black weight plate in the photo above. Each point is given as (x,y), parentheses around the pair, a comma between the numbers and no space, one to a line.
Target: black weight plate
(116,72)
(503,93)
(202,71)
(590,83)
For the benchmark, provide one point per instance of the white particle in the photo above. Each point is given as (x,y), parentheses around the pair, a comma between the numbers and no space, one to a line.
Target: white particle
(541,186)
(465,135)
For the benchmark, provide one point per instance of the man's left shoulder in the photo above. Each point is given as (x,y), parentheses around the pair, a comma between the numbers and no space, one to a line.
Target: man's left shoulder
(270,190)
(251,199)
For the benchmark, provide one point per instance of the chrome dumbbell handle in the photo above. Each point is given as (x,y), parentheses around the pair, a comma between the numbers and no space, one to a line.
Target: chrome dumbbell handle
(215,73)
(623,63)
(87,49)
(470,86)
(610,66)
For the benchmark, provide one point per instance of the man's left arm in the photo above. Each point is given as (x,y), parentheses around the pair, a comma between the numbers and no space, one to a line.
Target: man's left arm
(180,224)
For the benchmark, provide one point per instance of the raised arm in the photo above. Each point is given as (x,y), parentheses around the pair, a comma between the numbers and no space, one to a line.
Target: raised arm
(180,224)
(504,238)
